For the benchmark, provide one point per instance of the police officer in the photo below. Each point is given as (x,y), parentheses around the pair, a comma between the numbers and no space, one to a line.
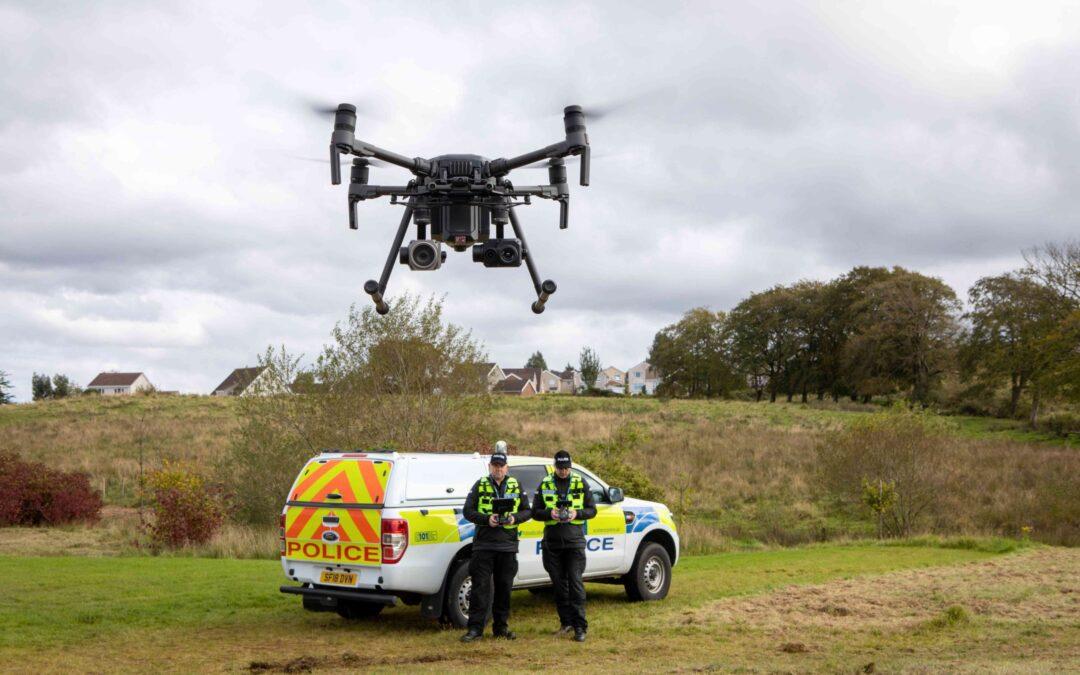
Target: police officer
(495,547)
(564,541)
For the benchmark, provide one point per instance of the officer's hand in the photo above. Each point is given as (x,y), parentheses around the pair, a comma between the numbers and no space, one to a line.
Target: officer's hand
(511,517)
(572,513)
(493,521)
(554,514)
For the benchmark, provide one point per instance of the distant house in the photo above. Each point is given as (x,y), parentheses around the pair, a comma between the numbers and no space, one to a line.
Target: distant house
(611,379)
(570,381)
(643,379)
(240,381)
(119,384)
(493,373)
(513,385)
(544,381)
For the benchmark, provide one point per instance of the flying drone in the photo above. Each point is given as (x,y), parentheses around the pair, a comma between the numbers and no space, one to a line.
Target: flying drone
(456,200)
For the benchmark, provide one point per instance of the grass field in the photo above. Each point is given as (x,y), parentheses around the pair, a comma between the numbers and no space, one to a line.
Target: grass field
(821,607)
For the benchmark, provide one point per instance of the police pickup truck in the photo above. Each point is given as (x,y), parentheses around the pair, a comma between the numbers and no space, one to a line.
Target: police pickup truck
(363,531)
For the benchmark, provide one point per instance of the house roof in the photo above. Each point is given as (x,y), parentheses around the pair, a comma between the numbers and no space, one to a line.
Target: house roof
(114,380)
(241,377)
(512,385)
(565,374)
(524,373)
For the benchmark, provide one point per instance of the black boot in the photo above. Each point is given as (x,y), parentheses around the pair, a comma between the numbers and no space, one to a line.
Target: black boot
(579,635)
(472,635)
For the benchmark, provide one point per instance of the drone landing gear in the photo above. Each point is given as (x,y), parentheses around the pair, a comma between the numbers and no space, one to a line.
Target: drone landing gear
(544,289)
(376,288)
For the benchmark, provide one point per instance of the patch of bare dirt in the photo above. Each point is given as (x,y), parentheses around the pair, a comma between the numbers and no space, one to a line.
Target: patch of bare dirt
(1036,585)
(347,660)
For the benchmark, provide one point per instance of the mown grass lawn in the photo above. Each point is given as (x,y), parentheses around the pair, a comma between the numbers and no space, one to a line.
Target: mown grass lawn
(183,614)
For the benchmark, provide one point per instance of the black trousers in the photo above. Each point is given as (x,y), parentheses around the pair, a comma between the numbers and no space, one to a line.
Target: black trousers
(484,568)
(566,567)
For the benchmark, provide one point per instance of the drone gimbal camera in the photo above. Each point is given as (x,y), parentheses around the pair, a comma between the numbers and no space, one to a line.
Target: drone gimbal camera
(454,200)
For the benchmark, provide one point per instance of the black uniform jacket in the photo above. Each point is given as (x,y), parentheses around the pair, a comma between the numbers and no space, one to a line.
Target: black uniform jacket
(490,538)
(563,535)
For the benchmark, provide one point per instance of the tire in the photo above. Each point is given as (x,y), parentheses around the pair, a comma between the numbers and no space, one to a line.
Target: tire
(650,576)
(458,586)
(357,609)
(457,595)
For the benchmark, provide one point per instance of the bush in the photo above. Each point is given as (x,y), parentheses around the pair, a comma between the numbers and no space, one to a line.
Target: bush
(187,510)
(608,459)
(33,494)
(904,450)
(1060,424)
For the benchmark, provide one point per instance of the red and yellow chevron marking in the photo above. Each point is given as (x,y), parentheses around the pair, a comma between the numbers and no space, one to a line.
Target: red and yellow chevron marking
(358,481)
(357,535)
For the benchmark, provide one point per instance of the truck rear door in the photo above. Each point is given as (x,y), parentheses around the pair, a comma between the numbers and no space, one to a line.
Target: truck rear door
(333,514)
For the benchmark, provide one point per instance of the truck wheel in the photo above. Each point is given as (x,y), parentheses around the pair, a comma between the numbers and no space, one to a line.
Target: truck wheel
(650,577)
(357,609)
(458,587)
(457,595)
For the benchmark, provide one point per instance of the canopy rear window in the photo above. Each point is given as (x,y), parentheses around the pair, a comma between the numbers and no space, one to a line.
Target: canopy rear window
(348,482)
(443,477)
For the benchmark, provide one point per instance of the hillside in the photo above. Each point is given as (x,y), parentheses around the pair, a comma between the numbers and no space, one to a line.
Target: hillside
(736,473)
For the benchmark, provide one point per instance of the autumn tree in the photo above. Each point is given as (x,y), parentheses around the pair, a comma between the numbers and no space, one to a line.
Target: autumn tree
(904,335)
(1012,320)
(690,356)
(405,381)
(762,337)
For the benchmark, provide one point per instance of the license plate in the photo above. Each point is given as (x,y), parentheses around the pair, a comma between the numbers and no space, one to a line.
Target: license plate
(338,578)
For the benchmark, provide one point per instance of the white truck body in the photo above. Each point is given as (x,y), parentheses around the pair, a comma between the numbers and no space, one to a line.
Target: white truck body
(377,527)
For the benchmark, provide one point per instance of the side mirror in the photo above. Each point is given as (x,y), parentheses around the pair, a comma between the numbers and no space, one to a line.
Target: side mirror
(615,495)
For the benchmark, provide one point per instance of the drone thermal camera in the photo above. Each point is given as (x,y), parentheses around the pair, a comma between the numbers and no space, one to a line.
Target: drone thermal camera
(459,201)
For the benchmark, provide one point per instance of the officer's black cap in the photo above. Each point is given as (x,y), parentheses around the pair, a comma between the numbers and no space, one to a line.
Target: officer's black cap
(562,460)
(498,457)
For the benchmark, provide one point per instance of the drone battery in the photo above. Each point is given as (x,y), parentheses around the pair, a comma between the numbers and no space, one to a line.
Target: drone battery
(460,224)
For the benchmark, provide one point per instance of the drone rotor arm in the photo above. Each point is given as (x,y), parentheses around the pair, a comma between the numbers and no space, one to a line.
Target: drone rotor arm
(501,167)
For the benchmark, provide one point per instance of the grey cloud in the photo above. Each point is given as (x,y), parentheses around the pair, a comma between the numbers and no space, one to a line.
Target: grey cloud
(145,183)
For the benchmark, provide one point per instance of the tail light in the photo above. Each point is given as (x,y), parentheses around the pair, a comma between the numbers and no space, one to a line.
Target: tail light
(281,534)
(395,539)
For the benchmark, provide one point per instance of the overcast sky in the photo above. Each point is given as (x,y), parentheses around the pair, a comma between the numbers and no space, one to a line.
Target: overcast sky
(154,216)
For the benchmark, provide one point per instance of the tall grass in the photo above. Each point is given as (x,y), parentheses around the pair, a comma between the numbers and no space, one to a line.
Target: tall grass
(736,474)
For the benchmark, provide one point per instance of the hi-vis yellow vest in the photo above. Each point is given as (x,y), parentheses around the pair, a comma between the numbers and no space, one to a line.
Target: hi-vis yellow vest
(576,495)
(487,495)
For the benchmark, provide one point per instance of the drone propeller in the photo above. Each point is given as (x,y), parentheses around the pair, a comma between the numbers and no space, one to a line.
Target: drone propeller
(324,109)
(345,161)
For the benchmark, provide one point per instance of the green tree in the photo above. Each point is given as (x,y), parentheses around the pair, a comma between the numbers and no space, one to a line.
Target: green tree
(406,381)
(589,365)
(62,386)
(905,334)
(762,335)
(41,387)
(5,389)
(691,358)
(536,361)
(1011,320)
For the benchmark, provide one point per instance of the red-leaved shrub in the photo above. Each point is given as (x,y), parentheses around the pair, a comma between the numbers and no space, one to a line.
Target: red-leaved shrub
(187,510)
(31,493)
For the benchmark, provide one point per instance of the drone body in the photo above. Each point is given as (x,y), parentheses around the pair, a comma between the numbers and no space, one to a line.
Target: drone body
(459,201)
